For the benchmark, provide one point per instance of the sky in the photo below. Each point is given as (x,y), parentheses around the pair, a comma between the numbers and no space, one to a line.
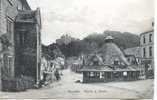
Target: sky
(80,18)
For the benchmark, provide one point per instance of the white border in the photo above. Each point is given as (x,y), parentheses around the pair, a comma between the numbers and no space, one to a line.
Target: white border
(155,50)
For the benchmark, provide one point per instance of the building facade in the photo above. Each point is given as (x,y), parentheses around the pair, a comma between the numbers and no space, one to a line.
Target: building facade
(11,25)
(147,52)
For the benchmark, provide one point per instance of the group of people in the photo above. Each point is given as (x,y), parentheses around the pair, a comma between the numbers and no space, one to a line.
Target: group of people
(49,77)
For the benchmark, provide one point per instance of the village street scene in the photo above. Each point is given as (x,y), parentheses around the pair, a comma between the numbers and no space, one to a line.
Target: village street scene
(61,52)
(67,88)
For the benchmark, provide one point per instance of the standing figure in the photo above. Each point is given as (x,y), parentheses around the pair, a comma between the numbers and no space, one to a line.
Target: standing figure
(57,75)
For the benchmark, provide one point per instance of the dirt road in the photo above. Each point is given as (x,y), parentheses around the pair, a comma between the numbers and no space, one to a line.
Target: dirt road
(67,88)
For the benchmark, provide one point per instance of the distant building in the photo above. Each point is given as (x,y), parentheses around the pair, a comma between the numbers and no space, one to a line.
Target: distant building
(65,39)
(133,55)
(108,64)
(20,38)
(147,52)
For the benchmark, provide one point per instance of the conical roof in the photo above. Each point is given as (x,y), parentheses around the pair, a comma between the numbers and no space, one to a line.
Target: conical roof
(111,52)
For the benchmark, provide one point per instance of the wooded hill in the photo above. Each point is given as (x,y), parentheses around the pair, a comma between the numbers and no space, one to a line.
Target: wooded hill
(92,43)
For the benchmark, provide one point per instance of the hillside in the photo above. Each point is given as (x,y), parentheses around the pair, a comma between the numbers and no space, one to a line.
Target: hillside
(94,41)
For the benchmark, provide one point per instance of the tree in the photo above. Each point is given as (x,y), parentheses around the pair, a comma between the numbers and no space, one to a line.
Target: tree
(93,42)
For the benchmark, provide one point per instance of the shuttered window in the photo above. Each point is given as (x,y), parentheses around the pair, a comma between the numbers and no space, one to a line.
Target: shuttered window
(144,39)
(91,74)
(150,37)
(144,52)
(150,51)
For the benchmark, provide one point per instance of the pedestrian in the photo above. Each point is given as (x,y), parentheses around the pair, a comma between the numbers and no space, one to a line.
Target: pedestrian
(57,75)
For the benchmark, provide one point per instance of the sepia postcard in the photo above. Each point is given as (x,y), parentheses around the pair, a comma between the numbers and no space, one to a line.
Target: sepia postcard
(77,49)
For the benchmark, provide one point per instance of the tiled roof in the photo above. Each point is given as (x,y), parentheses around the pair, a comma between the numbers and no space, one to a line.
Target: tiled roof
(92,57)
(108,68)
(133,51)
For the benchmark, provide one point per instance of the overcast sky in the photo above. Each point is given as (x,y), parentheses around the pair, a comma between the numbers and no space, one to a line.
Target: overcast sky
(82,17)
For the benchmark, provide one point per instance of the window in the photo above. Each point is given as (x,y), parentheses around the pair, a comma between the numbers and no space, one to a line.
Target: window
(153,24)
(144,52)
(96,63)
(144,39)
(150,51)
(108,75)
(150,37)
(10,27)
(150,67)
(116,62)
(91,74)
(101,75)
(125,73)
(97,74)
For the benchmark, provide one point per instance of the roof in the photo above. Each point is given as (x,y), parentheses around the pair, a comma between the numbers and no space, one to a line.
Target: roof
(147,32)
(92,57)
(108,68)
(110,52)
(26,4)
(135,51)
(29,16)
(96,68)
